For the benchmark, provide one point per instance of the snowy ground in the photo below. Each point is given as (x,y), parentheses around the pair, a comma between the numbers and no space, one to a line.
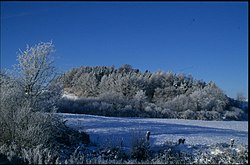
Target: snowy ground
(114,130)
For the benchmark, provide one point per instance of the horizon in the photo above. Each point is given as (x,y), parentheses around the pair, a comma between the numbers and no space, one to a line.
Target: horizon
(208,40)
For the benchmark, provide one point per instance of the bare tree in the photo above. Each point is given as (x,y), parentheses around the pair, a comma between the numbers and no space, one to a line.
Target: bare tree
(37,75)
(28,90)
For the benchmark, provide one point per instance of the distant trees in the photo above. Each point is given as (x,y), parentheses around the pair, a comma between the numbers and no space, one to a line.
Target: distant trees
(240,97)
(129,92)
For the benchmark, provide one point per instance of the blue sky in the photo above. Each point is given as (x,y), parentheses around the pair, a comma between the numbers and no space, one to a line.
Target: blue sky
(208,40)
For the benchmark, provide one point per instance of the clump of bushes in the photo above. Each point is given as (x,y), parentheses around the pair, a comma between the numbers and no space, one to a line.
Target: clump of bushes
(140,149)
(214,154)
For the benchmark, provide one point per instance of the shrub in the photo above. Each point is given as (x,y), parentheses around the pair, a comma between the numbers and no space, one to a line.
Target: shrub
(140,148)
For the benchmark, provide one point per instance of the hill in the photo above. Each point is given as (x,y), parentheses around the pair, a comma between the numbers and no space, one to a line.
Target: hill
(127,92)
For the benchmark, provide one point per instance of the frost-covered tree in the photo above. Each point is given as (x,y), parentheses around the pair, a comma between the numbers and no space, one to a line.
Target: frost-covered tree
(140,98)
(37,75)
(27,92)
(86,85)
(126,68)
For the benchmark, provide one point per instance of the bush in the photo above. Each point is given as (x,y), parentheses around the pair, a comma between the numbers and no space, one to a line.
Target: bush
(218,154)
(140,148)
(234,114)
(188,114)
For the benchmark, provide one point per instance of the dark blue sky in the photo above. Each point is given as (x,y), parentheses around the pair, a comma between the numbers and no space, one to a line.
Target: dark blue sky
(207,40)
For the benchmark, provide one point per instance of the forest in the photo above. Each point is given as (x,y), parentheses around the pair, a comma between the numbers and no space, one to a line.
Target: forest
(127,92)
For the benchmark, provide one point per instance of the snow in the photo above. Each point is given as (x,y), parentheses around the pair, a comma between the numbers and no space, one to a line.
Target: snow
(69,96)
(116,130)
(216,152)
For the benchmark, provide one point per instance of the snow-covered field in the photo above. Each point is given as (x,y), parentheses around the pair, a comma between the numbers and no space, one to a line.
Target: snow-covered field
(115,130)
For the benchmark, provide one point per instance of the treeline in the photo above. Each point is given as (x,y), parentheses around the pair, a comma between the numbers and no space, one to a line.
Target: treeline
(126,91)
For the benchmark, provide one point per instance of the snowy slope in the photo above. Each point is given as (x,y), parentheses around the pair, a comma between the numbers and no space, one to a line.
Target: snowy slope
(113,130)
